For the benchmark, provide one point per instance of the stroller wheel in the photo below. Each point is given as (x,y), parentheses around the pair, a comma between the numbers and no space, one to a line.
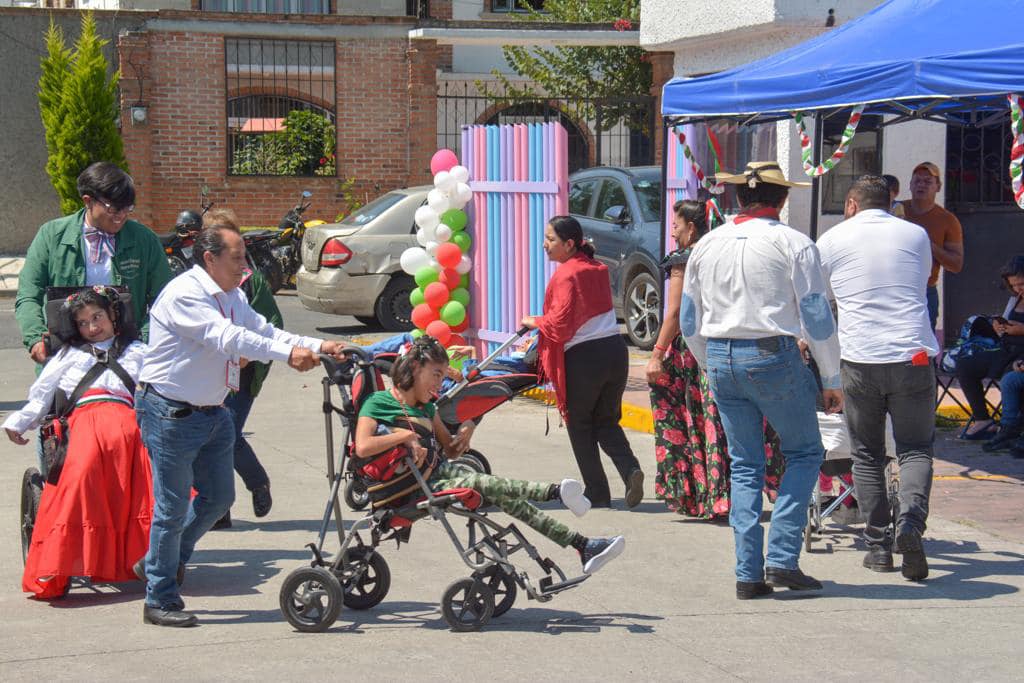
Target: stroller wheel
(365,578)
(475,460)
(503,588)
(31,491)
(467,605)
(311,599)
(356,496)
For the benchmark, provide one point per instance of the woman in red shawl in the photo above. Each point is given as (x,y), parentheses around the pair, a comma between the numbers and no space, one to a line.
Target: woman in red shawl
(582,354)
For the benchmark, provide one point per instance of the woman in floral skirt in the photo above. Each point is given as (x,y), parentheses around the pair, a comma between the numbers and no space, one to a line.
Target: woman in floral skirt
(690,447)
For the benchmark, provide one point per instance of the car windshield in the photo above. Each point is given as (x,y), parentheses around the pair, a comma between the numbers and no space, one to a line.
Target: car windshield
(367,213)
(648,192)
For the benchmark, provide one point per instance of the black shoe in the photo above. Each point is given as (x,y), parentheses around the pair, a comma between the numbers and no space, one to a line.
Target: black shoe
(748,590)
(261,500)
(793,579)
(140,571)
(222,523)
(1004,438)
(915,565)
(168,617)
(634,488)
(600,551)
(878,559)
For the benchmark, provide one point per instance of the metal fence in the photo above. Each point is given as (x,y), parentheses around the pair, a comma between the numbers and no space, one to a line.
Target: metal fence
(977,163)
(603,131)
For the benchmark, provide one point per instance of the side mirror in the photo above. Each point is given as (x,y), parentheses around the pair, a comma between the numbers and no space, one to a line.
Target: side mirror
(616,214)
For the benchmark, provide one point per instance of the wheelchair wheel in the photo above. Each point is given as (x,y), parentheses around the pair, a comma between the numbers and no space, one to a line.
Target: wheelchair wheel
(475,460)
(365,579)
(356,496)
(467,605)
(503,588)
(311,599)
(31,491)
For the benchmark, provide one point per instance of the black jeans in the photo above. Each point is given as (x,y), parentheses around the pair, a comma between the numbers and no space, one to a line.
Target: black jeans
(595,377)
(907,394)
(971,373)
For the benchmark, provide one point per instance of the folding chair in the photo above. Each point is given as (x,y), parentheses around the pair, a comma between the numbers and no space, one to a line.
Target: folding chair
(946,382)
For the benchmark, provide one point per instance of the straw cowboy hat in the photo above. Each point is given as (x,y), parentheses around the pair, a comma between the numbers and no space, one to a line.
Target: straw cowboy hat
(759,172)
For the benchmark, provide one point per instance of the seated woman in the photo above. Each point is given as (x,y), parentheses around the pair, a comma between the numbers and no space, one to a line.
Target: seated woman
(972,371)
(389,419)
(94,521)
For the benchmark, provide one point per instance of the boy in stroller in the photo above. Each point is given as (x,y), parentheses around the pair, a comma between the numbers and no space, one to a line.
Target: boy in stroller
(405,418)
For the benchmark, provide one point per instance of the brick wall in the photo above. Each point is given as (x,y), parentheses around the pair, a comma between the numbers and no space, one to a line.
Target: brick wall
(386,124)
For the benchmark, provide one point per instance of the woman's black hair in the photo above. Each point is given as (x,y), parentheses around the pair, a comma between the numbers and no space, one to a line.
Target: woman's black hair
(763,194)
(1013,268)
(692,211)
(568,228)
(107,299)
(424,350)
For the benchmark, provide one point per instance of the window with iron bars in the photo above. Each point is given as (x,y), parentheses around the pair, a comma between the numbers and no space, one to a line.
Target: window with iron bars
(977,163)
(280,107)
(268,6)
(516,5)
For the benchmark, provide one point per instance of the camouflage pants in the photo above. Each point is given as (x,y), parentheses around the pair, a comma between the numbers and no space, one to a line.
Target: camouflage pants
(513,496)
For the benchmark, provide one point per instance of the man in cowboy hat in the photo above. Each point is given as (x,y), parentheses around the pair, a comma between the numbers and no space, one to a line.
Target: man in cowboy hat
(753,287)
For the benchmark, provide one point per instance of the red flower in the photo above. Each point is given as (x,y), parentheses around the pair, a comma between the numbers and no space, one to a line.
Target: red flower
(660,414)
(674,436)
(721,506)
(659,453)
(323,160)
(622,24)
(698,474)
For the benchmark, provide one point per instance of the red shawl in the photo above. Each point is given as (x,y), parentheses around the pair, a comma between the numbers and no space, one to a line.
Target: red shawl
(579,290)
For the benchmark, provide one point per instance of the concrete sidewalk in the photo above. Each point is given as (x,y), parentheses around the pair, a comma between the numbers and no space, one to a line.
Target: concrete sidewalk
(10,268)
(665,610)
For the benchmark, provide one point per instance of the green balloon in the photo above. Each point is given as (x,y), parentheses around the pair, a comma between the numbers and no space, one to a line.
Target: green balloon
(454,219)
(461,294)
(453,313)
(464,280)
(416,334)
(456,362)
(416,297)
(426,275)
(463,241)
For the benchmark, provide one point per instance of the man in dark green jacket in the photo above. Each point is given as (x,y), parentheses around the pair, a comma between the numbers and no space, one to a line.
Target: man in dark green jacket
(98,245)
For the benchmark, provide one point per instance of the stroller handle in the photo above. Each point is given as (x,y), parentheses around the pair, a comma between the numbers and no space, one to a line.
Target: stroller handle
(338,371)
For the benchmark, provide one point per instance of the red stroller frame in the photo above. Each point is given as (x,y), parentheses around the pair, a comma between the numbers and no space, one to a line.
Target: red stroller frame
(358,576)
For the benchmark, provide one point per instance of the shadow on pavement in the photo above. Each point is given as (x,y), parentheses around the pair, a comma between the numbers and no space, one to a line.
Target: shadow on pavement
(237,571)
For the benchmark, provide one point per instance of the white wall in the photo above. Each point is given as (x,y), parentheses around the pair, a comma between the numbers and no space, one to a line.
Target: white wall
(476,59)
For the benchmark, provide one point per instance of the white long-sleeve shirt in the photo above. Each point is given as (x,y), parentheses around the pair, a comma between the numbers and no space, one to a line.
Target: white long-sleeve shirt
(877,267)
(756,279)
(64,371)
(196,329)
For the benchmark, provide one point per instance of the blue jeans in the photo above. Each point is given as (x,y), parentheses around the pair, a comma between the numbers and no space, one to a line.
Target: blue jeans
(1011,389)
(194,451)
(932,299)
(246,463)
(753,379)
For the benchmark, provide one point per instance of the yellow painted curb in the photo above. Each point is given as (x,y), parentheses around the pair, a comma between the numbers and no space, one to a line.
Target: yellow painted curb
(633,417)
(952,412)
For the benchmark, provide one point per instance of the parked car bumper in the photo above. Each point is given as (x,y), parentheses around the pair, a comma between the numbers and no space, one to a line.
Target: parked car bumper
(332,290)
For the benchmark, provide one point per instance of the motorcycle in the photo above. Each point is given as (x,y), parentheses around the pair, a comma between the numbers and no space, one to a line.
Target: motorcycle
(259,245)
(292,229)
(178,244)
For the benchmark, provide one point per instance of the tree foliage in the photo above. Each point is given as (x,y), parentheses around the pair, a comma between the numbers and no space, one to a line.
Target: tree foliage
(304,147)
(78,107)
(582,73)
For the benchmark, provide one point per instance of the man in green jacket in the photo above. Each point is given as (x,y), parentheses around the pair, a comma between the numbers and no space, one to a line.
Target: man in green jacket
(98,245)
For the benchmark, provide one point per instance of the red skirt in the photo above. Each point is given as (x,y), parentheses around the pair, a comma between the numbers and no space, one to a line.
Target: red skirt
(95,521)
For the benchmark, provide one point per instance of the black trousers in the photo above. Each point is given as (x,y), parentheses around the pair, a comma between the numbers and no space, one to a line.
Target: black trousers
(595,376)
(971,373)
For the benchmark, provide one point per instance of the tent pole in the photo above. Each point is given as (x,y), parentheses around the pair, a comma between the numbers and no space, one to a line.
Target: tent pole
(664,204)
(819,124)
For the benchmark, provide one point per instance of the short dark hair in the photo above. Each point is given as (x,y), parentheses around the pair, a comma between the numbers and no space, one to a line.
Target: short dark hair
(210,240)
(692,211)
(870,192)
(892,182)
(104,180)
(765,194)
(424,350)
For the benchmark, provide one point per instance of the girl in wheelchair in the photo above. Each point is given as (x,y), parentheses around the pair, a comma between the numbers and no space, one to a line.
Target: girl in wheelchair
(94,521)
(405,417)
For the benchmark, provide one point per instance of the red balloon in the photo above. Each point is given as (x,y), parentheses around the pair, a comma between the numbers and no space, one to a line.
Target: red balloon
(436,294)
(450,278)
(439,330)
(423,315)
(463,326)
(456,340)
(448,254)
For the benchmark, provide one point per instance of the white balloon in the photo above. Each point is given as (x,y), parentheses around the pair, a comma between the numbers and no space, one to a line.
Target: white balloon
(435,265)
(432,248)
(426,217)
(465,265)
(462,195)
(438,201)
(413,259)
(444,181)
(422,237)
(443,233)
(460,173)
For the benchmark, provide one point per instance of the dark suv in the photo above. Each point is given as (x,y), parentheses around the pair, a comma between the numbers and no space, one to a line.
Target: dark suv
(620,210)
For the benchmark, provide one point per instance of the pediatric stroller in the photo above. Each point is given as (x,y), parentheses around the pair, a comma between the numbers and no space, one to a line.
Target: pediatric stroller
(358,576)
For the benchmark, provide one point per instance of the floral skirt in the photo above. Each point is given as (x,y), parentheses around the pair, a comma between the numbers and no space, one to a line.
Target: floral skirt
(690,445)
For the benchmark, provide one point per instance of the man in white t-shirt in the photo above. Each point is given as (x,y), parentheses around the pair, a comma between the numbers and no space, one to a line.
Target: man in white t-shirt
(878,267)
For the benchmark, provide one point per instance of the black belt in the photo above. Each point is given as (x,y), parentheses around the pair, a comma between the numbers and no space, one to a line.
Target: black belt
(184,404)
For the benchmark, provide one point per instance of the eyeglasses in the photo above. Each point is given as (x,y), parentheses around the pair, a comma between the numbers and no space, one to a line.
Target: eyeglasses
(110,209)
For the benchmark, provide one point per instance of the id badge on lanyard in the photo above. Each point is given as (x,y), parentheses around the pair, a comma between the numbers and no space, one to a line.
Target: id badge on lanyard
(232,370)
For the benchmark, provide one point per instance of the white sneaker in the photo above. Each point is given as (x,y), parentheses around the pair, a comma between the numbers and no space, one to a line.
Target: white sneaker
(570,492)
(601,551)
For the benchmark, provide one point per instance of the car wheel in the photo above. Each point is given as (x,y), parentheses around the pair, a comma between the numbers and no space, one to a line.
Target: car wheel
(642,309)
(393,309)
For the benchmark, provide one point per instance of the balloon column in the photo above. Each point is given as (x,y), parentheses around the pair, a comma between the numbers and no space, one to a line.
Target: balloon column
(440,264)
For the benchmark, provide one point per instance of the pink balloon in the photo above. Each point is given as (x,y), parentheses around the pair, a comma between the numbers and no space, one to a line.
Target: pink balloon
(443,160)
(436,294)
(448,255)
(440,331)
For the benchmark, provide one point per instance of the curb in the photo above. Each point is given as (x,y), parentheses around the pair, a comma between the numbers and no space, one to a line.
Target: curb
(633,417)
(8,293)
